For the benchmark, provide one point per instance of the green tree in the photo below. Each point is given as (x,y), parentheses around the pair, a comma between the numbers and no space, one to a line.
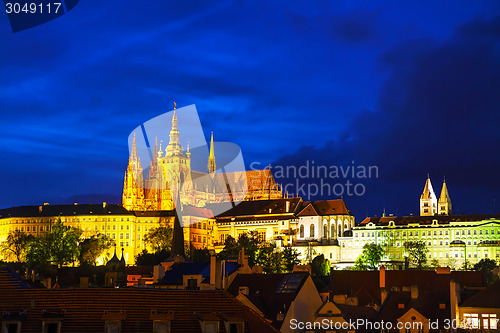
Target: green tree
(320,266)
(200,255)
(360,264)
(62,243)
(486,266)
(37,252)
(93,247)
(270,258)
(150,259)
(370,257)
(434,263)
(417,253)
(159,239)
(248,241)
(16,244)
(290,258)
(59,245)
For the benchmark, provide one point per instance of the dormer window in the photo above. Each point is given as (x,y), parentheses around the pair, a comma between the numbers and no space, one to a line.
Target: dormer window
(234,324)
(209,323)
(51,326)
(161,321)
(52,321)
(11,327)
(113,321)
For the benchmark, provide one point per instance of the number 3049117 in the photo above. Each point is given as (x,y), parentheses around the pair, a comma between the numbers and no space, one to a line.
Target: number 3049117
(32,8)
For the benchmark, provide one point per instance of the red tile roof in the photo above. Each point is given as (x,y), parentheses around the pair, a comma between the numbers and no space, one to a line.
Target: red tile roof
(324,207)
(85,310)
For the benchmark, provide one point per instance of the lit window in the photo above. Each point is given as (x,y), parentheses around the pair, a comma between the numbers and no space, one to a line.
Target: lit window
(161,326)
(11,327)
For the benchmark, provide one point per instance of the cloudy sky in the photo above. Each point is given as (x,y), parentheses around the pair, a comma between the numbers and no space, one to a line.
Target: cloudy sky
(411,87)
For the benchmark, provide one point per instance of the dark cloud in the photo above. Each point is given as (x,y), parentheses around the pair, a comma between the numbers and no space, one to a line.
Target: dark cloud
(438,114)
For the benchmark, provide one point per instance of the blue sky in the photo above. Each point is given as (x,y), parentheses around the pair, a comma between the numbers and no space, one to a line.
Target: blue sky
(412,87)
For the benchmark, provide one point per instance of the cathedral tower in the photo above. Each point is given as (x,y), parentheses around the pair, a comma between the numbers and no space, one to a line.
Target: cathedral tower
(176,167)
(444,203)
(428,200)
(133,186)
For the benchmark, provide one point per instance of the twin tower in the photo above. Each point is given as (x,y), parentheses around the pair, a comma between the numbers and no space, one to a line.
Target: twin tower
(430,205)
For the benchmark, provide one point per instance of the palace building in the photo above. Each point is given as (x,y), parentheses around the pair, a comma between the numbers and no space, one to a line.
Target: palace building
(452,240)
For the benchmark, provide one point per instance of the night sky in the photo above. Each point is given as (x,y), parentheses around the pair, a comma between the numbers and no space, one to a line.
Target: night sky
(411,87)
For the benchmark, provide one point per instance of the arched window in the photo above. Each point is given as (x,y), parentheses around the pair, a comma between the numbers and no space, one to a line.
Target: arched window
(325,231)
(332,231)
(311,234)
(301,231)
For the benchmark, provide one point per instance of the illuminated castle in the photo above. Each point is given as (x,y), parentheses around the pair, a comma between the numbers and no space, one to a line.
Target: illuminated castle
(170,173)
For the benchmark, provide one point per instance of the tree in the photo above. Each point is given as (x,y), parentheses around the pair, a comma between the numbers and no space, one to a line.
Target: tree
(370,257)
(16,244)
(200,255)
(417,253)
(248,241)
(37,252)
(150,259)
(434,263)
(290,258)
(159,239)
(59,245)
(62,243)
(320,266)
(92,248)
(269,257)
(486,266)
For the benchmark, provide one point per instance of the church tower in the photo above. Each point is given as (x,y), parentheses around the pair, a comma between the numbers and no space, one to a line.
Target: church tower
(133,186)
(428,200)
(444,203)
(211,157)
(176,167)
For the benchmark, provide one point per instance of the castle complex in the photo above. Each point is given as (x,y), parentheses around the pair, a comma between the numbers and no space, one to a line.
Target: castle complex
(320,227)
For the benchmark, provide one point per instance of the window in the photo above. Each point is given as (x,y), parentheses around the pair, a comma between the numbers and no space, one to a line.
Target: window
(11,327)
(51,327)
(490,321)
(161,326)
(472,320)
(235,327)
(210,327)
(113,326)
(311,231)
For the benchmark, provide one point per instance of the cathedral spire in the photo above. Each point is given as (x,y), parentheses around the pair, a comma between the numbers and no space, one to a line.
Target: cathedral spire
(211,157)
(444,202)
(174,147)
(133,153)
(428,200)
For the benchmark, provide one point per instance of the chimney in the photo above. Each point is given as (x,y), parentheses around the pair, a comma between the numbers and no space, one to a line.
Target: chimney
(213,266)
(414,291)
(382,276)
(454,298)
(104,204)
(244,290)
(45,203)
(158,273)
(287,206)
(40,209)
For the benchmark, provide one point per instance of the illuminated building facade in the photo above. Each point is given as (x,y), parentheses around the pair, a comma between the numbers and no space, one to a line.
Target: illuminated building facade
(170,173)
(451,239)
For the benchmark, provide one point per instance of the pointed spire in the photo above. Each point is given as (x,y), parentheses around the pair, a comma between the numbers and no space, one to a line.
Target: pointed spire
(444,202)
(133,153)
(188,153)
(174,147)
(211,157)
(428,192)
